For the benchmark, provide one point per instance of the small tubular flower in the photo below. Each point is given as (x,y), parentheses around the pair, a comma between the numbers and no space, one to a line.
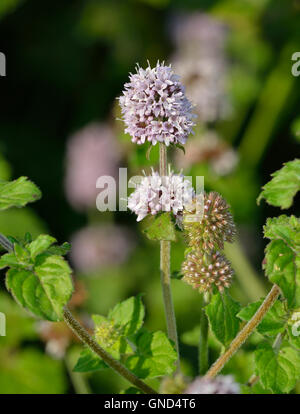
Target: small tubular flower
(223,384)
(211,229)
(155,108)
(203,271)
(157,194)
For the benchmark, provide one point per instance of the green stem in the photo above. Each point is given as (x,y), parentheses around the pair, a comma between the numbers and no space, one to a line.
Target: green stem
(86,338)
(245,332)
(203,339)
(165,276)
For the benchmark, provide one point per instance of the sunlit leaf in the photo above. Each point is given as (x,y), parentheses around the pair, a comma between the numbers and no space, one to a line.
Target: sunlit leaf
(155,355)
(278,371)
(89,361)
(274,320)
(282,264)
(18,193)
(222,314)
(45,289)
(40,245)
(160,227)
(280,191)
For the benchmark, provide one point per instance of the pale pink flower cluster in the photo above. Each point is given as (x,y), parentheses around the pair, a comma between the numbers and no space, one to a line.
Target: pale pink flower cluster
(200,61)
(156,194)
(219,385)
(100,246)
(155,108)
(208,147)
(191,28)
(92,152)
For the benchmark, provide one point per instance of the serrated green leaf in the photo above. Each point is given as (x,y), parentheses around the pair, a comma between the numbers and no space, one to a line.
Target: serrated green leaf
(22,254)
(18,193)
(40,245)
(278,371)
(273,322)
(61,250)
(280,191)
(255,389)
(89,362)
(283,269)
(282,264)
(9,260)
(285,228)
(222,315)
(128,315)
(160,227)
(155,355)
(45,289)
(121,336)
(123,321)
(98,319)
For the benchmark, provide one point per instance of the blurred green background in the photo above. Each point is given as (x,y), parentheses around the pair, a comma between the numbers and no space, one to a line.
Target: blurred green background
(66,64)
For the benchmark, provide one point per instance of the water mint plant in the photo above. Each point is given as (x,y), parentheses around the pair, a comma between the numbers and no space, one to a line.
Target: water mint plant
(39,277)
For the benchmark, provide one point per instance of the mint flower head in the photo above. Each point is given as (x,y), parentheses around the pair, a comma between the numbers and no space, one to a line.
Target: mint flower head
(155,108)
(223,384)
(157,194)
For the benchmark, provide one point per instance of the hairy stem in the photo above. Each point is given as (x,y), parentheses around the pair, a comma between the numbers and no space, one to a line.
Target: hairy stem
(86,338)
(165,257)
(245,332)
(203,339)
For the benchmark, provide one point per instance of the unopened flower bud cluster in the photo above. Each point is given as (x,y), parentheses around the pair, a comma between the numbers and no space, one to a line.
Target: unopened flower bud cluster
(207,229)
